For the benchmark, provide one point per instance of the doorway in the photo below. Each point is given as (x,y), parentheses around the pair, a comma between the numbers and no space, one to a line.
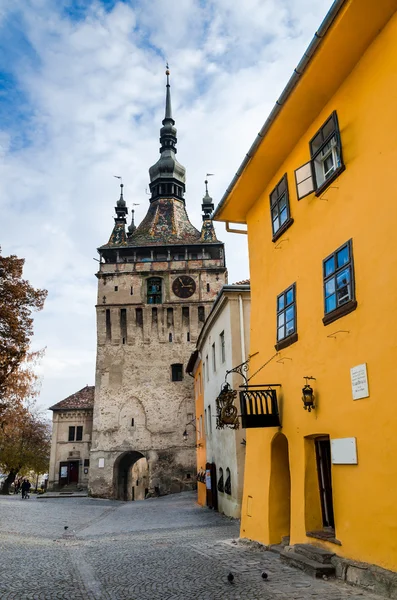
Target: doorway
(323,458)
(280,490)
(68,472)
(124,472)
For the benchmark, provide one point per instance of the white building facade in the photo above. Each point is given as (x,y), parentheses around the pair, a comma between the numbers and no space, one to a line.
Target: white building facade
(223,344)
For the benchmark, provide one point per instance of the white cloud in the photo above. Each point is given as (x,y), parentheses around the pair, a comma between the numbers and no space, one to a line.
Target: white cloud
(96,91)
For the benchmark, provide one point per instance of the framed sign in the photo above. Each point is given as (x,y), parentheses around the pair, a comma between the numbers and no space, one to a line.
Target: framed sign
(344,451)
(208,479)
(64,472)
(359,381)
(101,463)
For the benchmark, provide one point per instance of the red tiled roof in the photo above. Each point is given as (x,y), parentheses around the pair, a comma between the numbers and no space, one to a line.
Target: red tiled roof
(243,282)
(82,399)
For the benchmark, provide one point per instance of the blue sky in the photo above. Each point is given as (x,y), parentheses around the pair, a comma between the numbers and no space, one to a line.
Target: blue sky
(82,99)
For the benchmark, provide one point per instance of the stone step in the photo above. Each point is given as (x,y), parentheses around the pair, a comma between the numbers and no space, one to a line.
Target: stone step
(276,548)
(314,553)
(311,567)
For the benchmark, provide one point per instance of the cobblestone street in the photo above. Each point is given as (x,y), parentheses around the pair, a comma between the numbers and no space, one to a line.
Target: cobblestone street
(158,549)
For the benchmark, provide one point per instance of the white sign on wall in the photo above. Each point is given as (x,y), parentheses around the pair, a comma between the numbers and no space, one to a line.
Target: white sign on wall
(344,451)
(101,463)
(359,380)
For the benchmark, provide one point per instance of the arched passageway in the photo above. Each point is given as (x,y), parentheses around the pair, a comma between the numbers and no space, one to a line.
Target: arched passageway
(130,476)
(280,490)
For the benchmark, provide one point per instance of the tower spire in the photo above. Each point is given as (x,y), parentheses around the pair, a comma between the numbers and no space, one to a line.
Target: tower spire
(168,109)
(167,176)
(118,234)
(207,230)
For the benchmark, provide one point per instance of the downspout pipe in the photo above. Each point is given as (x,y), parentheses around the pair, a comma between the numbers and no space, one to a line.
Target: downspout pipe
(293,81)
(242,330)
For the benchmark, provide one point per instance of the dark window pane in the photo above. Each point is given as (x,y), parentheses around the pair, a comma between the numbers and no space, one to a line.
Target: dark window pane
(79,434)
(273,197)
(71,434)
(282,186)
(289,314)
(343,256)
(329,266)
(330,287)
(316,143)
(290,296)
(343,278)
(328,128)
(343,286)
(330,303)
(290,328)
(283,215)
(177,372)
(280,302)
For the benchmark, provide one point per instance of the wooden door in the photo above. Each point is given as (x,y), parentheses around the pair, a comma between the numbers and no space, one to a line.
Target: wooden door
(323,454)
(73,472)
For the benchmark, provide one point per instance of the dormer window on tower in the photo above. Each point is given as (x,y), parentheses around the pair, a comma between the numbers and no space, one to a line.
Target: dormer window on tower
(154,290)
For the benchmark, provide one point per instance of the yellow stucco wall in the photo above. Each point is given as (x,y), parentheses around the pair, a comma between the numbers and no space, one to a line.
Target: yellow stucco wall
(361,204)
(200,432)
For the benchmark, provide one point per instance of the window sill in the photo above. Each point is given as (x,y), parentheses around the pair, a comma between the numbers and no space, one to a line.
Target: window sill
(343,310)
(291,339)
(282,229)
(328,182)
(326,535)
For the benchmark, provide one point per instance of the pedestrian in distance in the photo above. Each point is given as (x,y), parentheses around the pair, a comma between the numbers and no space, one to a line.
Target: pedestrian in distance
(17,485)
(25,488)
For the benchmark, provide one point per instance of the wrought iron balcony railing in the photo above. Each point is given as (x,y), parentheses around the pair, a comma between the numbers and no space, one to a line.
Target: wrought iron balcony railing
(259,408)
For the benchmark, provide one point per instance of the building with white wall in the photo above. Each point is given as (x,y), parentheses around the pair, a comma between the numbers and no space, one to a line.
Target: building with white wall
(222,345)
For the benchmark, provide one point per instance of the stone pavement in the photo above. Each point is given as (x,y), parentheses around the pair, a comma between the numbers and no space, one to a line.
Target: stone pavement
(159,549)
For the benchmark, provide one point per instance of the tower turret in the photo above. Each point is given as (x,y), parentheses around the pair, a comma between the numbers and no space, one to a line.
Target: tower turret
(118,236)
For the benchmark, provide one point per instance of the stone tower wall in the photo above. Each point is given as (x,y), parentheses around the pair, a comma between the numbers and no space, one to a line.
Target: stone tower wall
(137,405)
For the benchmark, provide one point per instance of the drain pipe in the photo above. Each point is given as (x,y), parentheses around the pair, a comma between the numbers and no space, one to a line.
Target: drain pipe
(242,331)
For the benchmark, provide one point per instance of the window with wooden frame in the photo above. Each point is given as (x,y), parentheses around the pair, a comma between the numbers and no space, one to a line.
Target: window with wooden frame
(279,208)
(326,161)
(222,346)
(339,288)
(177,372)
(286,318)
(154,290)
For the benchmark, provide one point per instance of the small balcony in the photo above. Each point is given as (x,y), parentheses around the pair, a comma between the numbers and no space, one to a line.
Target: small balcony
(259,408)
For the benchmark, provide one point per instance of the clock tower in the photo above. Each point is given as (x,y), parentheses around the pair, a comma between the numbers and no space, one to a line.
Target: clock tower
(156,284)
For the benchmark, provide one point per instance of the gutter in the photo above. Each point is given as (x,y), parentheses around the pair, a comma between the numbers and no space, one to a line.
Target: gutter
(287,91)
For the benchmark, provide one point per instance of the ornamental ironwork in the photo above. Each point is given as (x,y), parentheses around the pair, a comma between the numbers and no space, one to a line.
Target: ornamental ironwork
(226,412)
(259,408)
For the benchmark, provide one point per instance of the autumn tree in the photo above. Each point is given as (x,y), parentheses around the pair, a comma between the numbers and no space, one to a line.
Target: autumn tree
(18,300)
(25,441)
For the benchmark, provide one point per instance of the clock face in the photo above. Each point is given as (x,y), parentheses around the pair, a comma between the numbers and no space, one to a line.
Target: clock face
(183,286)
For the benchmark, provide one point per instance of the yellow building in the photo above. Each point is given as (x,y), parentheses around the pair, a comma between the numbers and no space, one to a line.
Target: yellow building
(194,368)
(323,267)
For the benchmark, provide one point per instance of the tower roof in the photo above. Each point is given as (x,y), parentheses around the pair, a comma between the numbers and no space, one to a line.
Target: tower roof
(81,400)
(167,167)
(166,222)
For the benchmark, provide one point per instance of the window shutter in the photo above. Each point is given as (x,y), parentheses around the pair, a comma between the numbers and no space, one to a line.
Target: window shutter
(304,178)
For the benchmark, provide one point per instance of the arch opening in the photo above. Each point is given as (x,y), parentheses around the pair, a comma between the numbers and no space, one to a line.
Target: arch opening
(130,476)
(280,490)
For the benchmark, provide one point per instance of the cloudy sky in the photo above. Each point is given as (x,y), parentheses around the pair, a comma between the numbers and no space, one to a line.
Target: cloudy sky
(82,99)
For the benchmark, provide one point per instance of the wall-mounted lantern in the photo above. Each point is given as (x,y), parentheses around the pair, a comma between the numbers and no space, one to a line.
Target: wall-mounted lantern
(185,434)
(308,395)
